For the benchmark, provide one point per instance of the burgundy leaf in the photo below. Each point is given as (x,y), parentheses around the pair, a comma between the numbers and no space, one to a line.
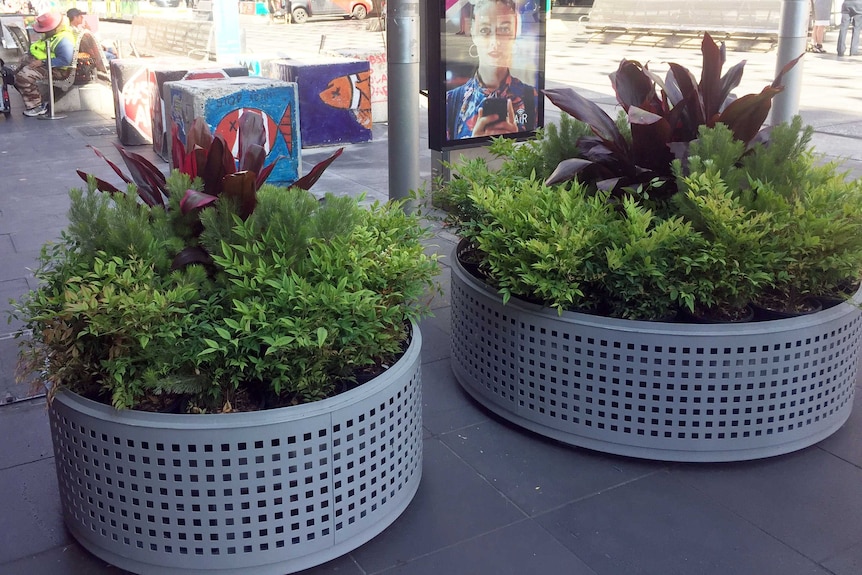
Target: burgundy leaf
(179,157)
(194,200)
(746,115)
(114,166)
(252,159)
(690,97)
(650,137)
(588,112)
(191,255)
(214,171)
(101,184)
(311,177)
(634,87)
(148,178)
(567,170)
(251,132)
(200,160)
(240,187)
(609,184)
(710,76)
(777,83)
(228,162)
(265,171)
(729,81)
(199,135)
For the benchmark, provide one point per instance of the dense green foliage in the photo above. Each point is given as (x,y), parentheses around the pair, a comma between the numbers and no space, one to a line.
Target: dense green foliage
(768,220)
(300,297)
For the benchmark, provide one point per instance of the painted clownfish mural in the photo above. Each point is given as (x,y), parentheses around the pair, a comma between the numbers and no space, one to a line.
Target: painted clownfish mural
(351,92)
(228,128)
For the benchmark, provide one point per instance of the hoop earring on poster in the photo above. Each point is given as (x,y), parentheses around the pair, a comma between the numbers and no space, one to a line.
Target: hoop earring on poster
(473,51)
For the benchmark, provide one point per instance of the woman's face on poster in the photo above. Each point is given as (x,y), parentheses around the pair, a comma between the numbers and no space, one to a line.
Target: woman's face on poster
(493,30)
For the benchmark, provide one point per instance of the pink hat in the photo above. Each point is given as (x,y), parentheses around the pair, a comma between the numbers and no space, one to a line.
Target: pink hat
(47,21)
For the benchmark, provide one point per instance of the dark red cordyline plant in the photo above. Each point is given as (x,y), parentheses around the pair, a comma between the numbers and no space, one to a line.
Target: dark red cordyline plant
(662,123)
(210,158)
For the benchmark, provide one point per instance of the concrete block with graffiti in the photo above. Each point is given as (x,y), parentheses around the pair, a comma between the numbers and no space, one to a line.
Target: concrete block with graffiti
(161,74)
(137,103)
(377,63)
(132,106)
(334,98)
(222,102)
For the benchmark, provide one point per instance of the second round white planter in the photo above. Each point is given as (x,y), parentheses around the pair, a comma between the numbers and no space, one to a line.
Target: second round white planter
(666,391)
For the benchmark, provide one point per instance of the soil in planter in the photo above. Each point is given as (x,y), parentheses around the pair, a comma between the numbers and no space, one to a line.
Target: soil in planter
(774,306)
(705,315)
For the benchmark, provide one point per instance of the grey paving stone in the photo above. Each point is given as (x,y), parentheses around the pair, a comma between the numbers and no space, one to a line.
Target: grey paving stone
(847,562)
(342,566)
(660,526)
(445,405)
(520,549)
(540,474)
(435,340)
(452,504)
(25,433)
(71,559)
(845,442)
(810,500)
(31,521)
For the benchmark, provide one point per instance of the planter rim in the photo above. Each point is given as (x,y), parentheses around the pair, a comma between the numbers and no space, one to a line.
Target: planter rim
(664,328)
(136,418)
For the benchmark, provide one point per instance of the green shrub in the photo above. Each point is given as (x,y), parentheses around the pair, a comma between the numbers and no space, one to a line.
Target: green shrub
(300,298)
(748,222)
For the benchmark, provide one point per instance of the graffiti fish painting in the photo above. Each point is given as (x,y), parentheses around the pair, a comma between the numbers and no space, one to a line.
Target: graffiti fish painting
(228,128)
(351,92)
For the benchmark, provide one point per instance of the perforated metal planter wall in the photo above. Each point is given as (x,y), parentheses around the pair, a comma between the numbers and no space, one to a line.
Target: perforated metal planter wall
(666,391)
(269,492)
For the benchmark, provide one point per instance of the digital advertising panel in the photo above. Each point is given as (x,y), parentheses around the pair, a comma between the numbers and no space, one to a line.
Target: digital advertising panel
(486,70)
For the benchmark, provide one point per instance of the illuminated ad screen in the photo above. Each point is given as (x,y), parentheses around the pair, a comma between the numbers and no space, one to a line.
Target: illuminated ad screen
(486,70)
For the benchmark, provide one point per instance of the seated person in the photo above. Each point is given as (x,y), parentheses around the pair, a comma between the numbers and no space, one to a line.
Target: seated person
(79,26)
(60,41)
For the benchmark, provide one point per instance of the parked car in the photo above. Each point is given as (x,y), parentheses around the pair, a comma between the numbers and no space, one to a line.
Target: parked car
(301,10)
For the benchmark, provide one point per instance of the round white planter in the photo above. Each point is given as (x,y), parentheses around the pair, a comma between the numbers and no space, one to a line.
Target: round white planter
(268,492)
(666,391)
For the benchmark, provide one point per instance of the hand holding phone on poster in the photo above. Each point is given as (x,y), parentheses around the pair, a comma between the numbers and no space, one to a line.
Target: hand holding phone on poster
(496,117)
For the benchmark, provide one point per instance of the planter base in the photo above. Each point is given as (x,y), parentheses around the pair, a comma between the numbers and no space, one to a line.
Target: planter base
(673,392)
(261,493)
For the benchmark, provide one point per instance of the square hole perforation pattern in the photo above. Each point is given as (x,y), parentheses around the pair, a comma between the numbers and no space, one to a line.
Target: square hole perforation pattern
(601,383)
(273,489)
(680,392)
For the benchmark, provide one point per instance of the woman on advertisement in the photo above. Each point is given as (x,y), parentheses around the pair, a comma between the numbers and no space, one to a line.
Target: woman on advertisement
(492,102)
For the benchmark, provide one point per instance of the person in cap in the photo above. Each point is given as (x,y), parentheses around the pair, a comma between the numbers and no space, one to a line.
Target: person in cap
(58,42)
(80,27)
(76,19)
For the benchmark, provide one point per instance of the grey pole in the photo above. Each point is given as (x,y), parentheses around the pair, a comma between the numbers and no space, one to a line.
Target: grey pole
(402,42)
(52,115)
(792,39)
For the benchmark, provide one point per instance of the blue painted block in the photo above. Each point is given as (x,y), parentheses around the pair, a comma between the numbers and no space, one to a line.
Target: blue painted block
(222,102)
(334,98)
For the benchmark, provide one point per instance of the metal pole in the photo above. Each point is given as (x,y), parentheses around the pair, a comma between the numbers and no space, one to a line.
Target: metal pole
(52,116)
(792,38)
(402,41)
